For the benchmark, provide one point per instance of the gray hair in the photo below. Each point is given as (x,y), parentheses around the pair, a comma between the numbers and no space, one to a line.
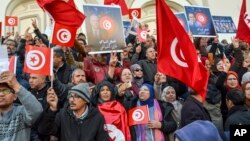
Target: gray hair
(163,94)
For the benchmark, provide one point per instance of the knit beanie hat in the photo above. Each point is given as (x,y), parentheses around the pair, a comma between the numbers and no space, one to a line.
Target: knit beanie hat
(81,90)
(245,77)
(199,130)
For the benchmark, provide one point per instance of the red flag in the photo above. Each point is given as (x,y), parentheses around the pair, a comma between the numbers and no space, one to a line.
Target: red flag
(10,21)
(122,4)
(116,120)
(64,35)
(138,115)
(142,35)
(12,64)
(63,11)
(243,32)
(38,60)
(135,12)
(177,56)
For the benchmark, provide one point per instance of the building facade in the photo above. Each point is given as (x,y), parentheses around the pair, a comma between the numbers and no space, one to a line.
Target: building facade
(27,9)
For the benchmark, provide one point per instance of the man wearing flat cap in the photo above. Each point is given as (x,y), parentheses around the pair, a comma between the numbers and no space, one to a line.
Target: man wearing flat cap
(78,122)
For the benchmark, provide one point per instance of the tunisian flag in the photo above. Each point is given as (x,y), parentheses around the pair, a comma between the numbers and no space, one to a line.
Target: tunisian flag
(63,12)
(177,56)
(116,121)
(142,35)
(243,32)
(12,64)
(38,60)
(122,4)
(138,115)
(64,35)
(11,21)
(135,12)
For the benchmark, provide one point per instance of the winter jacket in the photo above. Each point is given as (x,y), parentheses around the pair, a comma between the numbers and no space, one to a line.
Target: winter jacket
(68,128)
(193,110)
(237,115)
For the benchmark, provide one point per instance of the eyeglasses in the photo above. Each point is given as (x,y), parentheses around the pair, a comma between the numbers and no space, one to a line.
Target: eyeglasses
(6,91)
(74,97)
(138,70)
(230,79)
(10,44)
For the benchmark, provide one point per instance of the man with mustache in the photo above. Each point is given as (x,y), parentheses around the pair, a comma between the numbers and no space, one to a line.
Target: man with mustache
(79,121)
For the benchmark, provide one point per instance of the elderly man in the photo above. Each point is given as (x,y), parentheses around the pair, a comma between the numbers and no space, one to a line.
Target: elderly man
(16,121)
(79,121)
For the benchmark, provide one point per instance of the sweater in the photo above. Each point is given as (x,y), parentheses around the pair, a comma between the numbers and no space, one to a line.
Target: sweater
(15,124)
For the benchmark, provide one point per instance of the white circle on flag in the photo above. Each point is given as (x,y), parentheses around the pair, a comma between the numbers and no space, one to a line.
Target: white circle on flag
(135,13)
(144,35)
(174,56)
(35,59)
(107,24)
(11,21)
(138,115)
(114,133)
(63,35)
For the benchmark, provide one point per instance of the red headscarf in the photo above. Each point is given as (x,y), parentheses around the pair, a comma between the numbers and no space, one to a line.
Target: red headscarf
(236,75)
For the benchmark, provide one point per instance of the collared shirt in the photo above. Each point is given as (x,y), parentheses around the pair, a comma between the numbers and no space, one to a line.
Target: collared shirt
(84,114)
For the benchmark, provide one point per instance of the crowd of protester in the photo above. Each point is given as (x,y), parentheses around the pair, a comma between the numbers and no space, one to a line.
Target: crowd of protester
(87,88)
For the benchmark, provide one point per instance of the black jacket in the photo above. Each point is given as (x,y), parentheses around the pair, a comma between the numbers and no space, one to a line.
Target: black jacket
(193,110)
(65,125)
(237,115)
(63,74)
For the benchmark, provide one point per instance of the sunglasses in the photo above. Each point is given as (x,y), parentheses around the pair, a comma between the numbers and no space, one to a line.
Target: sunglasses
(6,91)
(138,70)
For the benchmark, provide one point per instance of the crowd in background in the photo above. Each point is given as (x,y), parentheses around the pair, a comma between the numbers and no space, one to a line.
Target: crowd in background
(88,88)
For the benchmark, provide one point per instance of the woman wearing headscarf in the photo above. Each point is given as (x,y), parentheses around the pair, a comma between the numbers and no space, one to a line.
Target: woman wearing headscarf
(161,123)
(169,95)
(103,96)
(227,80)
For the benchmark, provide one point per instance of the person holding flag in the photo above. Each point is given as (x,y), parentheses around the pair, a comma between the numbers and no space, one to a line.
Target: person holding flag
(161,122)
(103,96)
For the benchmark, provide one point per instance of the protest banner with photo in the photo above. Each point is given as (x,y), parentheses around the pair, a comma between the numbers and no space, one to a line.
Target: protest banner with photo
(183,20)
(4,62)
(134,25)
(200,21)
(224,24)
(103,28)
(126,28)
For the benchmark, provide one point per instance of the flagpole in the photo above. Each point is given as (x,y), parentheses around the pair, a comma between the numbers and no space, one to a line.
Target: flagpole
(151,129)
(51,66)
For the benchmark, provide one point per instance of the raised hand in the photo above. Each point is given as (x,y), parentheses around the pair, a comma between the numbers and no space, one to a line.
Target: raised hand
(113,59)
(34,24)
(52,99)
(10,79)
(27,35)
(235,42)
